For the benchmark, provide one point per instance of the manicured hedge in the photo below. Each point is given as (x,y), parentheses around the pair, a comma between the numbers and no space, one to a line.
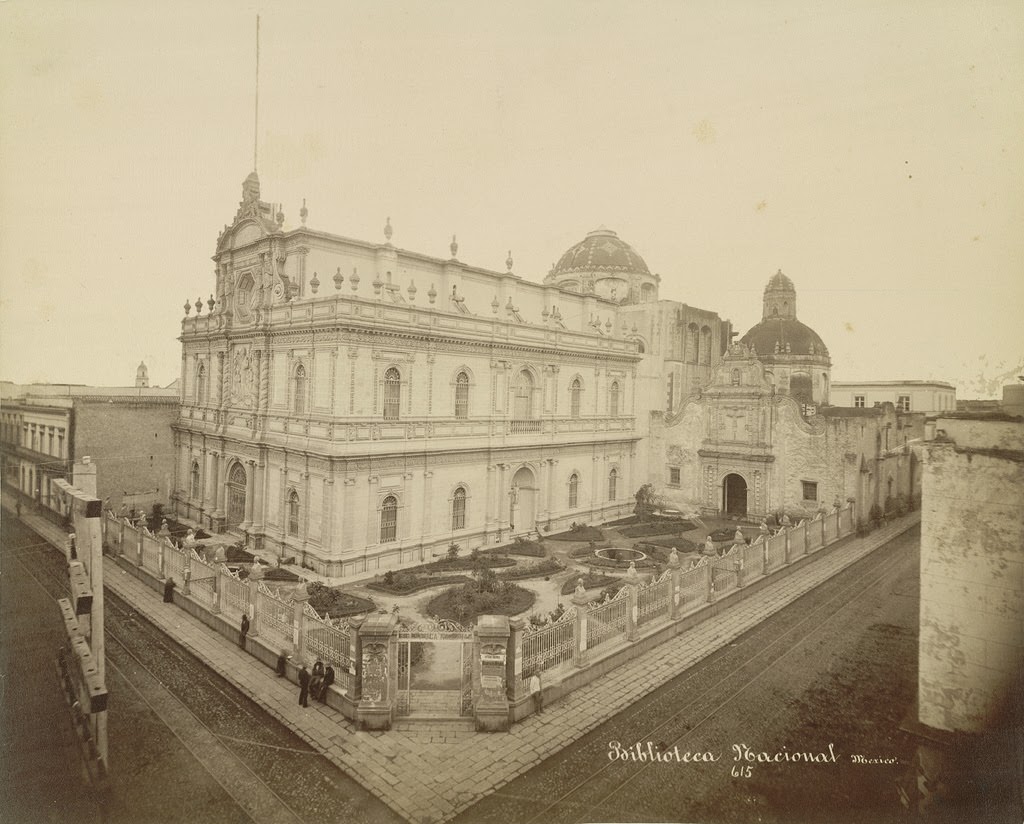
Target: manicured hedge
(332,601)
(657,527)
(417,584)
(548,566)
(582,533)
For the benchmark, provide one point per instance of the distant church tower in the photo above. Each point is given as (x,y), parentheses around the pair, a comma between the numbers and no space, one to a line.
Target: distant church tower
(142,376)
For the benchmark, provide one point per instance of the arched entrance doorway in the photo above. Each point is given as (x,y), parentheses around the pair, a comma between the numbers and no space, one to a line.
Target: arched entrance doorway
(236,495)
(523,501)
(734,495)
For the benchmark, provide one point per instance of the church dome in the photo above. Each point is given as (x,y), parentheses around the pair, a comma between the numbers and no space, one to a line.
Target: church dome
(601,251)
(784,336)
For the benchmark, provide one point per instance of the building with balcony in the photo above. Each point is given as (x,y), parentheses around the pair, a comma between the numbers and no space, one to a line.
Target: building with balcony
(126,432)
(361,407)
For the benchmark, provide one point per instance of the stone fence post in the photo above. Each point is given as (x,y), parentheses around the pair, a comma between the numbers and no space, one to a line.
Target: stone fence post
(709,582)
(491,708)
(741,570)
(218,589)
(514,657)
(187,571)
(375,707)
(579,600)
(299,600)
(675,569)
(632,592)
(254,611)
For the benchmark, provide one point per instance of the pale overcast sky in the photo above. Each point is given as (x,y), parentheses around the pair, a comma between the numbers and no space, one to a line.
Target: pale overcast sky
(872,151)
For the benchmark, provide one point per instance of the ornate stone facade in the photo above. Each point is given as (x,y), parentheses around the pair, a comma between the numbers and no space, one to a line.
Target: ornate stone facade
(360,407)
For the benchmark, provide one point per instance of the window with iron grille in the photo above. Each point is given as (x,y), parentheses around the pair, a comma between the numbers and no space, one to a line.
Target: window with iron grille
(673,475)
(462,395)
(613,399)
(299,402)
(459,509)
(613,482)
(293,513)
(392,394)
(574,490)
(810,489)
(575,390)
(389,519)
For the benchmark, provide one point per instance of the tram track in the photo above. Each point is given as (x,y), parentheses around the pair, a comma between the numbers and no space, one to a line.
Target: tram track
(246,767)
(707,705)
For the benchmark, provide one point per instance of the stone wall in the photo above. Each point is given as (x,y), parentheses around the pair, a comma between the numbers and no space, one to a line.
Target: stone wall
(972,574)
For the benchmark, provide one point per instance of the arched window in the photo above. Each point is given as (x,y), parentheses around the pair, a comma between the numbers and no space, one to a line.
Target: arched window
(389,518)
(613,483)
(201,384)
(640,348)
(575,391)
(524,396)
(299,402)
(392,394)
(705,345)
(194,483)
(613,399)
(459,509)
(293,512)
(236,495)
(692,345)
(574,491)
(462,395)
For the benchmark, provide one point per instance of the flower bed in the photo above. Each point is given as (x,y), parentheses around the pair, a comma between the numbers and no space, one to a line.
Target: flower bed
(591,580)
(658,527)
(466,603)
(332,601)
(405,583)
(548,566)
(531,549)
(470,563)
(658,547)
(581,532)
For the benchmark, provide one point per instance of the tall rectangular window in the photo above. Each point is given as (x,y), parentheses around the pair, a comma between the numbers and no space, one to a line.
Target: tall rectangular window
(903,403)
(858,401)
(392,394)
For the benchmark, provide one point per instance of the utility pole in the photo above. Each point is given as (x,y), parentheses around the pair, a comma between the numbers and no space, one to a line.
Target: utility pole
(83,659)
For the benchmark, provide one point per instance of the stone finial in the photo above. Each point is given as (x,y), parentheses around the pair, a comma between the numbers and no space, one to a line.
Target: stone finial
(199,306)
(388,231)
(545,314)
(354,280)
(339,278)
(432,294)
(495,305)
(454,246)
(377,284)
(303,212)
(314,284)
(508,261)
(188,308)
(608,325)
(211,302)
(412,290)
(631,573)
(280,216)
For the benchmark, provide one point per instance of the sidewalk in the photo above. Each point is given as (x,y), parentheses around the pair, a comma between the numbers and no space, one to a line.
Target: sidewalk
(428,772)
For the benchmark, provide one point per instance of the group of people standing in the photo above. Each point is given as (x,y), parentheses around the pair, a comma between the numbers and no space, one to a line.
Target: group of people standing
(315,683)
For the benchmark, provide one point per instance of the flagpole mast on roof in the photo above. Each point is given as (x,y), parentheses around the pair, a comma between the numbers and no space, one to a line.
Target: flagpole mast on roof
(256,124)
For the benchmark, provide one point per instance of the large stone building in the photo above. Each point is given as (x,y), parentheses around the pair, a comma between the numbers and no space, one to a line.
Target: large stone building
(126,431)
(360,407)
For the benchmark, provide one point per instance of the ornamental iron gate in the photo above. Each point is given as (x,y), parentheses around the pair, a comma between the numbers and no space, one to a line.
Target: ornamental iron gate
(434,669)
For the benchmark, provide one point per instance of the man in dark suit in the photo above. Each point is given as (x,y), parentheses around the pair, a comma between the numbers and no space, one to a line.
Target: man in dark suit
(303,686)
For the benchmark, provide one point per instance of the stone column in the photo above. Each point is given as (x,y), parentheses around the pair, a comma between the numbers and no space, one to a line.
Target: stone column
(259,498)
(348,533)
(355,666)
(218,491)
(514,658)
(491,707)
(676,573)
(579,600)
(376,701)
(207,464)
(327,529)
(299,600)
(250,486)
(633,592)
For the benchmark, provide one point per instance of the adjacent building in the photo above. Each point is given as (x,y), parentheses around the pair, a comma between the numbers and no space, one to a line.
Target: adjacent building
(930,397)
(126,431)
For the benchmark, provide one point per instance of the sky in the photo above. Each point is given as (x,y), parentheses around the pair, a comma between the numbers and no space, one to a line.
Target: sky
(872,151)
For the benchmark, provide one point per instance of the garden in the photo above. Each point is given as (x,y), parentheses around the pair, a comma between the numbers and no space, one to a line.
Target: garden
(486,594)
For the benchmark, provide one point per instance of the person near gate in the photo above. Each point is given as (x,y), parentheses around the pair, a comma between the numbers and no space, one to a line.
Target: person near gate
(303,686)
(243,631)
(326,683)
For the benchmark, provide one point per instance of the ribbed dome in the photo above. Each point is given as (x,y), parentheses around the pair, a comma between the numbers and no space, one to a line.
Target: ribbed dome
(601,251)
(783,332)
